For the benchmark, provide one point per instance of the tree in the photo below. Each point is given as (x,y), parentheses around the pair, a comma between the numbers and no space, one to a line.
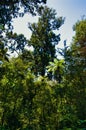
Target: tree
(12,8)
(79,39)
(11,93)
(15,43)
(26,101)
(44,38)
(76,71)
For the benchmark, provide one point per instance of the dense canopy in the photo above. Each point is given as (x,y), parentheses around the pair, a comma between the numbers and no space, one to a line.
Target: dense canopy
(38,91)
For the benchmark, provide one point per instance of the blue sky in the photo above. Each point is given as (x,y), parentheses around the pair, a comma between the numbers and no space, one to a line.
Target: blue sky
(72,10)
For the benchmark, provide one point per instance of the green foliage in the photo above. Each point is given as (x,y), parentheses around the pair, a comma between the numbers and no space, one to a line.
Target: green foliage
(25,101)
(44,39)
(80,37)
(16,43)
(75,75)
(12,8)
(56,68)
(29,101)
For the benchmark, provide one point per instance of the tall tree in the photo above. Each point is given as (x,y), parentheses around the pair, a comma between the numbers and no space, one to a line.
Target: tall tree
(76,70)
(44,38)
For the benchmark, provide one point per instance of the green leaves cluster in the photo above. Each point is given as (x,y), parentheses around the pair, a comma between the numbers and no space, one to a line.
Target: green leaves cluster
(12,8)
(57,69)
